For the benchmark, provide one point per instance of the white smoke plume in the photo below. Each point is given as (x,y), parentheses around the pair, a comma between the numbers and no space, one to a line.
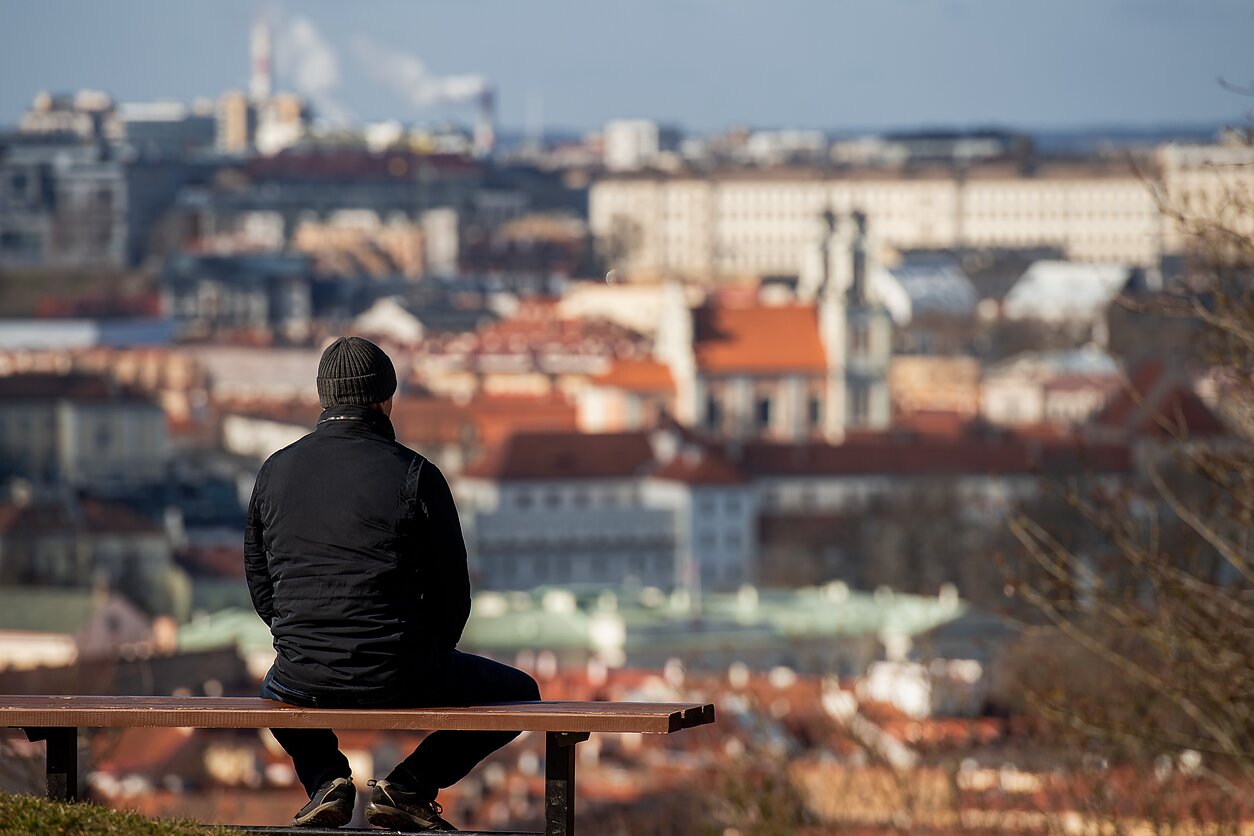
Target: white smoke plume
(408,77)
(307,61)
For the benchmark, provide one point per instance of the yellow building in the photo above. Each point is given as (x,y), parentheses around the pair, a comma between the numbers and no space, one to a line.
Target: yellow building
(934,384)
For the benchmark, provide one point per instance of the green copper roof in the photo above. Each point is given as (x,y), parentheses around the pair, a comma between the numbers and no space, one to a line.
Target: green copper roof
(559,618)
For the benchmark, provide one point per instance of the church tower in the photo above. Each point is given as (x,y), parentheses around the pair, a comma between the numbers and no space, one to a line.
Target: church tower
(868,338)
(827,281)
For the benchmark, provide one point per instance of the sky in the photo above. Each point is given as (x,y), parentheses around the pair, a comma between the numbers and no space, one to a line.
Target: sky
(702,65)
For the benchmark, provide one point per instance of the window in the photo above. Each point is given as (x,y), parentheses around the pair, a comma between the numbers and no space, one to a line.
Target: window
(860,405)
(763,412)
(861,336)
(522,500)
(816,412)
(713,412)
(104,435)
(773,497)
(807,497)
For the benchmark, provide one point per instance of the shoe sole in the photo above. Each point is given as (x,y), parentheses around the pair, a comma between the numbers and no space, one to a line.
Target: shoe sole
(390,818)
(327,814)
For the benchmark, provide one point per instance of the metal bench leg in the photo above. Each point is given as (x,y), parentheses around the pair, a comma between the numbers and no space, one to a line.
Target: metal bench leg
(559,782)
(61,761)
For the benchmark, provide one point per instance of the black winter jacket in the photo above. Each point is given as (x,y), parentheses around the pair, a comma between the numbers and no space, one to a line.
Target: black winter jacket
(354,557)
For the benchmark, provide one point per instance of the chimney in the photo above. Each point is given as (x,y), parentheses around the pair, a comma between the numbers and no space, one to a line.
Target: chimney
(485,123)
(260,84)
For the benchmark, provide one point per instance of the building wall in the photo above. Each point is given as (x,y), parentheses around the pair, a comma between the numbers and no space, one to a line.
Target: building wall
(840,493)
(773,407)
(1009,400)
(761,224)
(258,438)
(50,558)
(63,205)
(1210,183)
(28,438)
(84,443)
(935,384)
(111,443)
(81,557)
(714,532)
(524,533)
(608,409)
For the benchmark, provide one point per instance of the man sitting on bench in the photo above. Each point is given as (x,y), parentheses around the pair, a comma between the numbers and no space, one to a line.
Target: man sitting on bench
(355,558)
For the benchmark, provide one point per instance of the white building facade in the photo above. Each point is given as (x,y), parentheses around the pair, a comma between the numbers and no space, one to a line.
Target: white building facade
(743,222)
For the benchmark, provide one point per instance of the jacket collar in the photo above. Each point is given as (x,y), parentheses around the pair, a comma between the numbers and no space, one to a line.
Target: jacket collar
(344,416)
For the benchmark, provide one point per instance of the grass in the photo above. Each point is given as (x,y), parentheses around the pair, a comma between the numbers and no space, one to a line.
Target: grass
(32,816)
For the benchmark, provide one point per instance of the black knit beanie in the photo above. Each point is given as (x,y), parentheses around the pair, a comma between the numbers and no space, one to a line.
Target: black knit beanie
(354,370)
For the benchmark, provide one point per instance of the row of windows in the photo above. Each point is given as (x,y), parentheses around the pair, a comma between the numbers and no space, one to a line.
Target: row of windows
(708,504)
(557,538)
(763,409)
(553,498)
(709,539)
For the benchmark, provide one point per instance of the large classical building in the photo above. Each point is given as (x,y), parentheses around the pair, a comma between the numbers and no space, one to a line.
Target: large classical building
(758,222)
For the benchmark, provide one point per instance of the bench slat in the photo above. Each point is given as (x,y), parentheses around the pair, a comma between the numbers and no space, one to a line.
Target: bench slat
(254,712)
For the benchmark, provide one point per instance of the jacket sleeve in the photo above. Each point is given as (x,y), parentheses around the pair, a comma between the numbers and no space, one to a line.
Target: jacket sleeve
(446,595)
(256,567)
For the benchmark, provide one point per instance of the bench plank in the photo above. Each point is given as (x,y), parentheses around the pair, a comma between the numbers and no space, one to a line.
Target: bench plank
(56,711)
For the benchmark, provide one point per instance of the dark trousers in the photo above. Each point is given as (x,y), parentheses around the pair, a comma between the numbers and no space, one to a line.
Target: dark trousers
(444,757)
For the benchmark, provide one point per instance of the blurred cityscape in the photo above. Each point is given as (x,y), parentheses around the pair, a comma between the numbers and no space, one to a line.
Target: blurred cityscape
(737,417)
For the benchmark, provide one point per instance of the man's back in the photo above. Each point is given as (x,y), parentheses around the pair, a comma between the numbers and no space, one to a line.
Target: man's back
(354,557)
(355,540)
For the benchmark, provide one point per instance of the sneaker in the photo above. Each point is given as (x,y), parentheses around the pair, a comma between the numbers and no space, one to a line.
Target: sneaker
(393,807)
(330,806)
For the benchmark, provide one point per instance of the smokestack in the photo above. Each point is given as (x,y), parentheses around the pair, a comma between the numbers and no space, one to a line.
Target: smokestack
(485,124)
(260,84)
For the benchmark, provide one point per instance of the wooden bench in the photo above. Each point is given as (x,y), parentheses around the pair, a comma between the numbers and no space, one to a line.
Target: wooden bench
(57,719)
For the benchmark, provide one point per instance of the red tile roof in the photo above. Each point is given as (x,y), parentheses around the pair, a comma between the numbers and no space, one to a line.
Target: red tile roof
(92,515)
(140,750)
(74,387)
(424,421)
(919,456)
(700,467)
(1155,396)
(758,339)
(934,422)
(573,455)
(352,165)
(497,417)
(33,518)
(568,455)
(638,376)
(114,518)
